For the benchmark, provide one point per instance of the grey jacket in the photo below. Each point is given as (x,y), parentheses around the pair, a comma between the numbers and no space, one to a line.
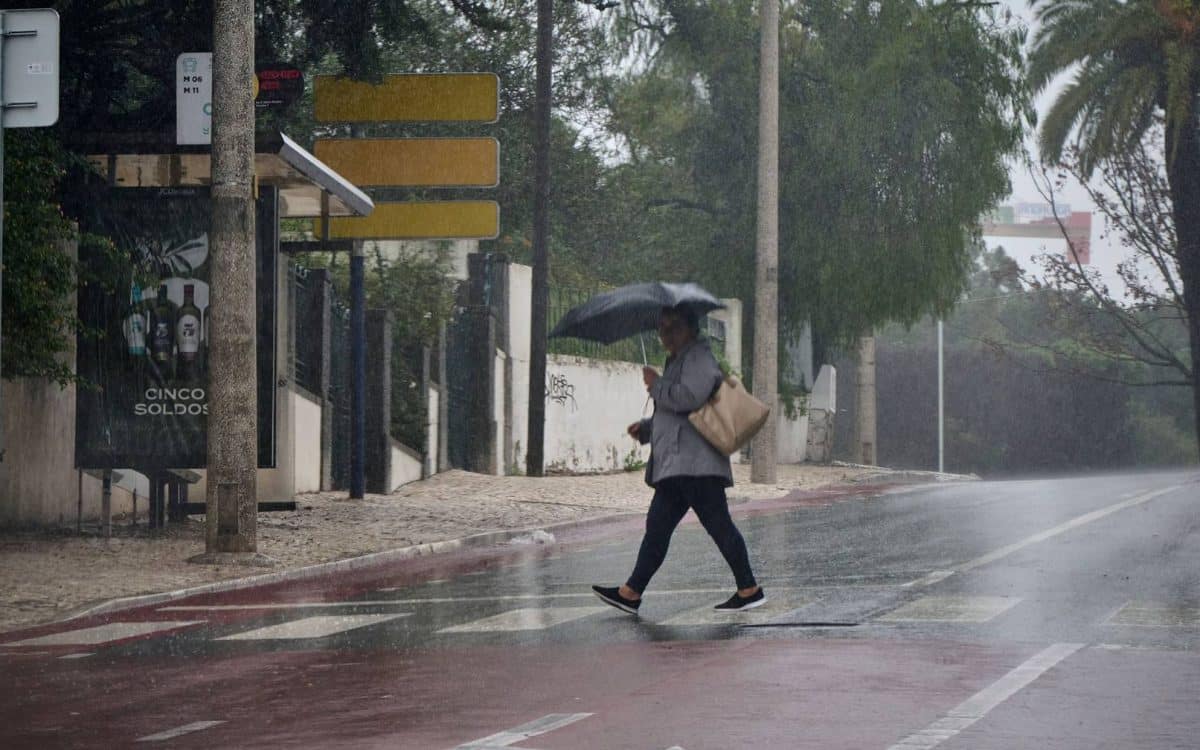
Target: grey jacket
(676,449)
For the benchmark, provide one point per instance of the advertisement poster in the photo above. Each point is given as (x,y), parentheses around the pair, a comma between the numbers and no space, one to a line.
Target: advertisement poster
(143,355)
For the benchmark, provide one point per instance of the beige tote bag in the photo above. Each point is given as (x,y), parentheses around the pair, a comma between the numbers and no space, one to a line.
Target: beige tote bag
(731,417)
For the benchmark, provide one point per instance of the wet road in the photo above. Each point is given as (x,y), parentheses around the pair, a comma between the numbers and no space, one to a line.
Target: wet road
(1055,613)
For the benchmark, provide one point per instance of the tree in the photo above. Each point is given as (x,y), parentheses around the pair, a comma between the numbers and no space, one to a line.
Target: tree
(896,121)
(1139,329)
(1138,64)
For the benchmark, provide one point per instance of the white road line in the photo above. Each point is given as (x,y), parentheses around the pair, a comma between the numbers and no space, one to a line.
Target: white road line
(78,656)
(979,705)
(278,605)
(447,600)
(776,606)
(1062,528)
(113,631)
(525,619)
(195,726)
(547,723)
(952,609)
(311,627)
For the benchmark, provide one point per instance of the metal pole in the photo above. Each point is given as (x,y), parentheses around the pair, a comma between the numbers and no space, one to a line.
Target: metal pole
(941,404)
(2,32)
(358,390)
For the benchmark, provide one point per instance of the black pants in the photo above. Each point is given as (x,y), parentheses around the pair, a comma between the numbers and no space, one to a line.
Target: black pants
(672,498)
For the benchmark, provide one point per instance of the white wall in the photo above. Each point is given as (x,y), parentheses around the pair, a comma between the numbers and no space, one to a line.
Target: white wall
(306,443)
(406,466)
(589,404)
(791,441)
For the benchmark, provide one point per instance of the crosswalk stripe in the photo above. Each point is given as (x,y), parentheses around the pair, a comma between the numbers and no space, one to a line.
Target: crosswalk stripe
(952,609)
(776,606)
(311,627)
(524,619)
(107,633)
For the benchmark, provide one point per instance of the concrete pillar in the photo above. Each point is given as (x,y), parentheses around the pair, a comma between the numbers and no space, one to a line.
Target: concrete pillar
(866,401)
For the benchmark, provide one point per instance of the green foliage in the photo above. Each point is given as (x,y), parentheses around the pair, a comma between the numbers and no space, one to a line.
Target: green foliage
(39,273)
(1135,59)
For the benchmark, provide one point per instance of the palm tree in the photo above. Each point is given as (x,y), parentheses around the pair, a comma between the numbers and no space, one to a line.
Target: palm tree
(1136,64)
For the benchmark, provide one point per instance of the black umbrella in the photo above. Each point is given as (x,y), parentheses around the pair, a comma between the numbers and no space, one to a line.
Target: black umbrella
(631,310)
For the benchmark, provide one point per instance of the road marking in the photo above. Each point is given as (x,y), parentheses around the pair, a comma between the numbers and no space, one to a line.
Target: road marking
(929,580)
(113,631)
(1062,528)
(1142,615)
(979,705)
(195,726)
(547,723)
(79,656)
(776,606)
(952,609)
(278,605)
(311,627)
(525,619)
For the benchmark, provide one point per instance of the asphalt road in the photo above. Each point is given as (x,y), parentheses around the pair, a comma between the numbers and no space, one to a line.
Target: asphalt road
(1050,613)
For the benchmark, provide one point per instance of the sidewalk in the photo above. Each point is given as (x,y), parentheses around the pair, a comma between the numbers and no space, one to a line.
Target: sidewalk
(45,576)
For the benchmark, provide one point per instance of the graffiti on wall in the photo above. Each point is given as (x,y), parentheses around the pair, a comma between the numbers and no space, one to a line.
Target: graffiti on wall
(560,391)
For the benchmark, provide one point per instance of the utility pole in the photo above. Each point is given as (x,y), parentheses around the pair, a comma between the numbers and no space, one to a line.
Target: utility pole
(866,400)
(534,454)
(766,276)
(232,390)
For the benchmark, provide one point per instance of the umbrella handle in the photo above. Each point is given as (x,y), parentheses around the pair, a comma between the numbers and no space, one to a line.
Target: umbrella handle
(642,341)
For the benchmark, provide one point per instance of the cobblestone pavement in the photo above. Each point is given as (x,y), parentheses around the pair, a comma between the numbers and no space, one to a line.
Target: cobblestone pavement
(50,574)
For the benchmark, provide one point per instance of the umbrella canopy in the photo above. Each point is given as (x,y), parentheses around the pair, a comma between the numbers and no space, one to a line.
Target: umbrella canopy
(630,310)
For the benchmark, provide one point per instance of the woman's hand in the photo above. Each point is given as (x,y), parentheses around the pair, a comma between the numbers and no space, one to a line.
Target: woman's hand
(635,431)
(649,376)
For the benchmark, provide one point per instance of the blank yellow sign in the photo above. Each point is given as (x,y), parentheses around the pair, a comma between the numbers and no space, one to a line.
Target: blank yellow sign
(413,162)
(444,97)
(438,220)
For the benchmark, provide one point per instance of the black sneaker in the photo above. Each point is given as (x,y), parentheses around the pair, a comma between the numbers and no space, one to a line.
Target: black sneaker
(612,596)
(737,603)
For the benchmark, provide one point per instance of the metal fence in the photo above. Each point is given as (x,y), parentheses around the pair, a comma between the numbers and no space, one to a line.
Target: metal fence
(339,394)
(308,333)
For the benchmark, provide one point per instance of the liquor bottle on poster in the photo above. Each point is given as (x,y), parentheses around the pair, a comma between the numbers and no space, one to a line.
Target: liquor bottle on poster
(162,335)
(187,326)
(135,325)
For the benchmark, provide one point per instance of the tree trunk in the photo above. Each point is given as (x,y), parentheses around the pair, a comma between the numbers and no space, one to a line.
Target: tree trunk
(764,451)
(232,390)
(1183,176)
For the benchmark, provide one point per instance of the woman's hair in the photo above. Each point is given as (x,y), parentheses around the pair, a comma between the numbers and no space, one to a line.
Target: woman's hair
(688,315)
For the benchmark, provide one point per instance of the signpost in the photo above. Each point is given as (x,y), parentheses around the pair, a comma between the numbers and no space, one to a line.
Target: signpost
(416,162)
(193,99)
(413,162)
(413,97)
(28,85)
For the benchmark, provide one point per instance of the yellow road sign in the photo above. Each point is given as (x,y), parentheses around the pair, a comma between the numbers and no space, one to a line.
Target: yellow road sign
(447,97)
(413,162)
(435,220)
